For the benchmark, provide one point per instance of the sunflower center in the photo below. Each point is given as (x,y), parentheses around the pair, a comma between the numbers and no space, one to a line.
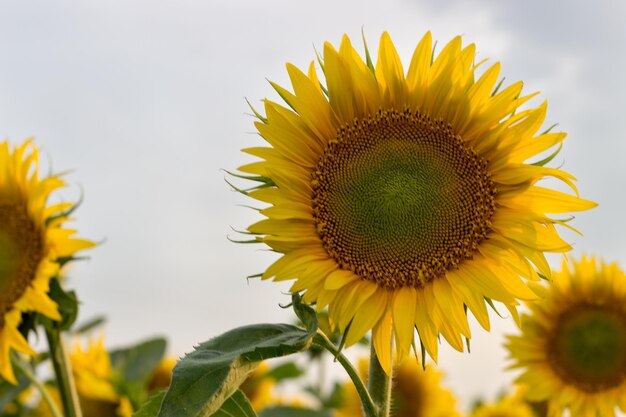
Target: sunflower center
(21,251)
(588,347)
(399,199)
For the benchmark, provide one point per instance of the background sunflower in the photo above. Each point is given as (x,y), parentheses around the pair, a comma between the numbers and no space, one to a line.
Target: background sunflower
(34,243)
(572,346)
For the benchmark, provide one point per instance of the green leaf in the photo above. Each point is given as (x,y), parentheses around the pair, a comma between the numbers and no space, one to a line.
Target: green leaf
(90,325)
(237,405)
(209,375)
(284,411)
(9,392)
(137,362)
(285,371)
(152,406)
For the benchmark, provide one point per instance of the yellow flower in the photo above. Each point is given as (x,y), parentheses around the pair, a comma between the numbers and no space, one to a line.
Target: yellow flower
(161,377)
(93,372)
(258,388)
(511,406)
(398,198)
(572,346)
(93,376)
(416,392)
(33,241)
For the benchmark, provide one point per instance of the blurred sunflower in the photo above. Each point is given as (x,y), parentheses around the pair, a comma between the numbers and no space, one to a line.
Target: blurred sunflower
(416,392)
(93,373)
(397,199)
(510,406)
(161,377)
(33,242)
(572,346)
(258,387)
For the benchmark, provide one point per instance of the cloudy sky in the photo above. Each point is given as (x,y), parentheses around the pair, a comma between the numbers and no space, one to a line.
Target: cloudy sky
(145,102)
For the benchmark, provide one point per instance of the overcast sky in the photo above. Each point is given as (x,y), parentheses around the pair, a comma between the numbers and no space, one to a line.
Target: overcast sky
(144,102)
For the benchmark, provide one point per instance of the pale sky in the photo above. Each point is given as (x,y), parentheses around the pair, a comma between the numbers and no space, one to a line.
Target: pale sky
(144,102)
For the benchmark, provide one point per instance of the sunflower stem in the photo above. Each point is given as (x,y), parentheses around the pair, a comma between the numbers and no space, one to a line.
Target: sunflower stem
(63,372)
(379,385)
(321,340)
(45,395)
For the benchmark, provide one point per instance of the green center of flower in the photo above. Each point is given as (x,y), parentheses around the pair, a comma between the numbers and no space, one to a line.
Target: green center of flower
(399,199)
(588,347)
(21,251)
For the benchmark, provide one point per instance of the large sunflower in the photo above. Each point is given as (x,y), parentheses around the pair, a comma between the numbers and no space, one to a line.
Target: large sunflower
(572,346)
(32,243)
(397,199)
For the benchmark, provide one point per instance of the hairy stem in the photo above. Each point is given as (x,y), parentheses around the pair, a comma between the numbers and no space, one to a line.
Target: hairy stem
(322,341)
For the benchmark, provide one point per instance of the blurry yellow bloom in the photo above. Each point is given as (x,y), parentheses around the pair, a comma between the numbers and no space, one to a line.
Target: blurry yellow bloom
(572,346)
(258,388)
(33,240)
(513,406)
(415,393)
(161,377)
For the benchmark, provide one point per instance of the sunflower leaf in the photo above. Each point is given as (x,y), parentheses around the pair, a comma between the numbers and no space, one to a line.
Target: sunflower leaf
(237,405)
(151,407)
(137,362)
(204,379)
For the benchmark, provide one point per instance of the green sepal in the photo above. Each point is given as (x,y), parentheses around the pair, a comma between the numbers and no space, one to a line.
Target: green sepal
(548,130)
(243,241)
(368,58)
(267,182)
(256,113)
(67,212)
(549,158)
(493,307)
(285,411)
(495,90)
(67,305)
(209,375)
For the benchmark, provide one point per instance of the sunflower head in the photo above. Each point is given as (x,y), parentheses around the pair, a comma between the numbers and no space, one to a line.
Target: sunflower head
(33,244)
(400,198)
(572,345)
(509,406)
(94,382)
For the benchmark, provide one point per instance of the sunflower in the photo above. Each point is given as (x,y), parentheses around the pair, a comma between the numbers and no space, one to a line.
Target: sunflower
(94,375)
(33,242)
(508,406)
(258,388)
(398,199)
(572,345)
(416,392)
(161,377)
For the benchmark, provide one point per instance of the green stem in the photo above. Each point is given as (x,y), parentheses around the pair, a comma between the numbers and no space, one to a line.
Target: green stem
(379,385)
(63,372)
(40,387)
(321,340)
